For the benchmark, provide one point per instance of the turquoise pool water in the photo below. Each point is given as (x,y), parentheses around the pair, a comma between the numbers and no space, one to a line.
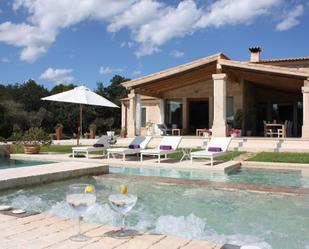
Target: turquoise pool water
(12,163)
(235,217)
(292,178)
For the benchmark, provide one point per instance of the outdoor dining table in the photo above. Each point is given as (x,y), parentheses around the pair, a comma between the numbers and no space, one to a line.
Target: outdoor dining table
(276,127)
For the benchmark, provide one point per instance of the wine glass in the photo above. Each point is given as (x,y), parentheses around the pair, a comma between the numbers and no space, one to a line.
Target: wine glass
(81,197)
(122,202)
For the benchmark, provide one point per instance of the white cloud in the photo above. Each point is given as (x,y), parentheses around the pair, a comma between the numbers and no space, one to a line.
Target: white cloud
(5,60)
(46,19)
(136,72)
(172,23)
(58,76)
(127,44)
(176,53)
(108,70)
(151,23)
(230,12)
(290,20)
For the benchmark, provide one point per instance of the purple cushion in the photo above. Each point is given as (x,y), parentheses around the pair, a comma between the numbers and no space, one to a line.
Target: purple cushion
(214,149)
(134,146)
(98,145)
(165,147)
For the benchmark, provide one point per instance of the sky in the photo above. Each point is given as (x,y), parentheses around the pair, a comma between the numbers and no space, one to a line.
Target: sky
(89,41)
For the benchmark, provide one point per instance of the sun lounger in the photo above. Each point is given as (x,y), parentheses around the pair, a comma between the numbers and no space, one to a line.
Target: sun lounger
(137,144)
(216,146)
(168,145)
(101,145)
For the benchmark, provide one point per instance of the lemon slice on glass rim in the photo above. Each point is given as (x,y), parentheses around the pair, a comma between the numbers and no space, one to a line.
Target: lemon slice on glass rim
(89,189)
(123,189)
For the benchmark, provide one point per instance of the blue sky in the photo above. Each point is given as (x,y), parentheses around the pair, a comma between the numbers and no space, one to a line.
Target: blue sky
(73,41)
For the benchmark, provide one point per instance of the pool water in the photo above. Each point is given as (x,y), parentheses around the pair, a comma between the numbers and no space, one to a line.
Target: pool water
(235,217)
(279,177)
(12,163)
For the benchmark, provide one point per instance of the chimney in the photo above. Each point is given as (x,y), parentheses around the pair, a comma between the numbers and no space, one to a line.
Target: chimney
(255,54)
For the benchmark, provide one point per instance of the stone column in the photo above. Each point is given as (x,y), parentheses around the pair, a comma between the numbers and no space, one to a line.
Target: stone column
(184,115)
(131,116)
(162,107)
(305,128)
(210,111)
(138,115)
(219,128)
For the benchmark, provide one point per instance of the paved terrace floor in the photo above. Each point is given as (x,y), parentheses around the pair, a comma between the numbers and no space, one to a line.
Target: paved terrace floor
(45,231)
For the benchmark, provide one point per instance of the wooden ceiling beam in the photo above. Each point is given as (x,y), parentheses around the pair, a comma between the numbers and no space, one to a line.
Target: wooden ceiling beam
(147,93)
(179,78)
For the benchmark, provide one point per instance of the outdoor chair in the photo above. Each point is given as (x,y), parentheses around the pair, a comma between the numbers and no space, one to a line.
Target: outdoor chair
(168,145)
(216,146)
(164,129)
(136,145)
(101,145)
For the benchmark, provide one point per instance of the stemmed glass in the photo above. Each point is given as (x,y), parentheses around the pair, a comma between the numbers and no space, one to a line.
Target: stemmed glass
(122,202)
(80,197)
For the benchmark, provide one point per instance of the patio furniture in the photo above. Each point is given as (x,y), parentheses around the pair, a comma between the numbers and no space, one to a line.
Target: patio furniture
(168,145)
(185,154)
(200,132)
(216,146)
(101,145)
(136,145)
(164,129)
(83,96)
(278,130)
(176,132)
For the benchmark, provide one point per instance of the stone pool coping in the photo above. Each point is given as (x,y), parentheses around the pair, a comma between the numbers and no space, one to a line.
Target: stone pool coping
(46,231)
(39,174)
(258,188)
(272,165)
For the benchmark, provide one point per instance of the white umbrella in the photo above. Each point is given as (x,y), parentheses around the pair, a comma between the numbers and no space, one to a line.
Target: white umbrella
(83,96)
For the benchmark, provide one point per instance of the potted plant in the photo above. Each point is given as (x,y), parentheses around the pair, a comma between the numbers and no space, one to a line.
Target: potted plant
(92,129)
(237,123)
(58,129)
(33,139)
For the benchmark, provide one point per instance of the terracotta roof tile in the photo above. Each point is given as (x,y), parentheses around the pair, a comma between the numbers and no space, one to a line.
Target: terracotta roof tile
(306,58)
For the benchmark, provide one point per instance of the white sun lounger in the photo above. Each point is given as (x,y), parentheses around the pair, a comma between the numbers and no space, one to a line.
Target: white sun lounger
(172,141)
(142,141)
(86,149)
(215,142)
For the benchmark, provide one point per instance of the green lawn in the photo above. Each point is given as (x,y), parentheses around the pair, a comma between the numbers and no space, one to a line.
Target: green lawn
(51,148)
(283,157)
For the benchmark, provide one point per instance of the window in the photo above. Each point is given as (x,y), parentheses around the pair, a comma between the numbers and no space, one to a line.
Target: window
(173,115)
(143,117)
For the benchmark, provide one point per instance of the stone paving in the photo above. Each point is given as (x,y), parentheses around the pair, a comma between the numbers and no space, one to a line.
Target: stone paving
(27,176)
(45,231)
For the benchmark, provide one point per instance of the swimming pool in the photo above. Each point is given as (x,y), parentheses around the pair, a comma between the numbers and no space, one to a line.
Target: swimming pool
(279,177)
(14,163)
(235,217)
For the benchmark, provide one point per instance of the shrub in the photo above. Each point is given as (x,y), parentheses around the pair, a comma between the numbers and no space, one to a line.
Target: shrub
(35,137)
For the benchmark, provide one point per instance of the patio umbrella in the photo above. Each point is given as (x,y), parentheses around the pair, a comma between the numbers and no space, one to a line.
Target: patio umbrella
(83,96)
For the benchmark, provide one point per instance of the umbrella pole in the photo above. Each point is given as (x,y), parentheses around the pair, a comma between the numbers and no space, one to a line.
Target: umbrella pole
(79,128)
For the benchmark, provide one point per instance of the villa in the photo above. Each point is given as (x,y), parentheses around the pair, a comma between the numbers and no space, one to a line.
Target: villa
(206,93)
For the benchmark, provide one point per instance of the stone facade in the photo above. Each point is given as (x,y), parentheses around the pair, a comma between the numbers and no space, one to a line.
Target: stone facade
(255,86)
